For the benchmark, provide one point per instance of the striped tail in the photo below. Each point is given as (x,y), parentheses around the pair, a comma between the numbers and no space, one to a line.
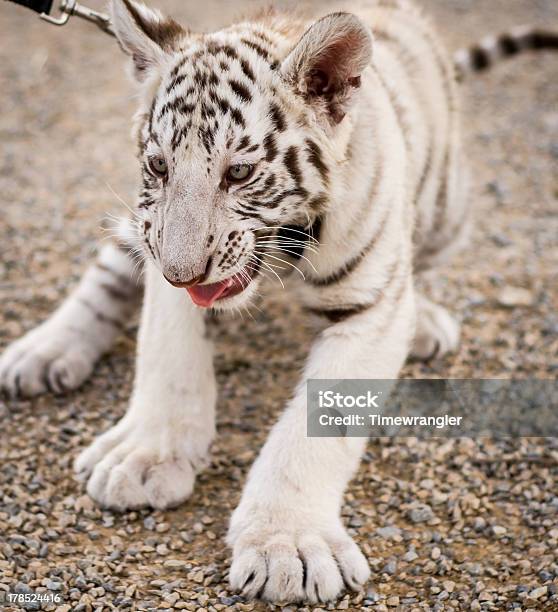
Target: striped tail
(493,49)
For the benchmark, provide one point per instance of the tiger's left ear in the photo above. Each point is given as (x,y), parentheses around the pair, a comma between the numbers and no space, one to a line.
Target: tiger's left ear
(144,34)
(326,64)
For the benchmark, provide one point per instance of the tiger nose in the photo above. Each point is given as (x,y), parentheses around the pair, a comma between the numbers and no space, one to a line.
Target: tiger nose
(177,277)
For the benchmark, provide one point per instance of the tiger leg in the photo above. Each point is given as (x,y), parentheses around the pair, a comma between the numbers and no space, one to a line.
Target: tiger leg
(151,456)
(289,542)
(437,332)
(59,355)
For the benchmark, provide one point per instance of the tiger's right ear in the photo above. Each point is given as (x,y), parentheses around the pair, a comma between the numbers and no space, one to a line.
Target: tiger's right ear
(144,34)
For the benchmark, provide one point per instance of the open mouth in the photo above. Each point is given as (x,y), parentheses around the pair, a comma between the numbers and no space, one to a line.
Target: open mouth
(207,295)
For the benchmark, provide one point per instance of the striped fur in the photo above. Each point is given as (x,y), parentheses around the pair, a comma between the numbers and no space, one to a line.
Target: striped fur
(345,133)
(493,49)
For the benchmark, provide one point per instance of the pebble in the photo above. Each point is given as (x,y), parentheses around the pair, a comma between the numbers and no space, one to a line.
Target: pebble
(390,532)
(176,564)
(421,513)
(538,592)
(510,297)
(390,568)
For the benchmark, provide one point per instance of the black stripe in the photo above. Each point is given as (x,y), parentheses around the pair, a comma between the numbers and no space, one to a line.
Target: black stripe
(442,199)
(508,45)
(398,109)
(273,203)
(244,142)
(480,59)
(318,202)
(102,318)
(240,90)
(270,147)
(277,117)
(245,66)
(268,184)
(178,66)
(425,172)
(316,159)
(114,292)
(237,117)
(187,108)
(291,162)
(120,277)
(257,48)
(342,312)
(176,81)
(336,315)
(353,263)
(543,40)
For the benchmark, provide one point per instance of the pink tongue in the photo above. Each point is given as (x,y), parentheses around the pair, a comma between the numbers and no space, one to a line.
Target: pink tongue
(205,295)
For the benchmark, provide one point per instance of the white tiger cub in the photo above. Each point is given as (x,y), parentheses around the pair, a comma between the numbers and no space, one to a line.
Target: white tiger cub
(335,142)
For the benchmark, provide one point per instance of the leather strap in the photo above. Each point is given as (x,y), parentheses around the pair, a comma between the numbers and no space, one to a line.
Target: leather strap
(39,6)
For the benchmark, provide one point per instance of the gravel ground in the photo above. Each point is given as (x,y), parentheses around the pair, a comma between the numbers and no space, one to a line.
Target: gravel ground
(446,525)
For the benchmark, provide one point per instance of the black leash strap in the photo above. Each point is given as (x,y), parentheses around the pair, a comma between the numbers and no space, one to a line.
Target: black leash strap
(39,6)
(67,9)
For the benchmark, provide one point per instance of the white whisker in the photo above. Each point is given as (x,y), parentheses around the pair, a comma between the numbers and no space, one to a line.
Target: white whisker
(270,266)
(127,206)
(287,243)
(283,261)
(276,227)
(276,250)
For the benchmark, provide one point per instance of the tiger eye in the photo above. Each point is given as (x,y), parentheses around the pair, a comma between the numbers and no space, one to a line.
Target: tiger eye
(158,165)
(239,172)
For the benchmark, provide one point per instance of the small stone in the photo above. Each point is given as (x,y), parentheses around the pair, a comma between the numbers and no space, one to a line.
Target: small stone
(538,592)
(389,532)
(175,564)
(474,569)
(499,531)
(435,554)
(53,585)
(421,513)
(393,601)
(390,567)
(510,297)
(149,523)
(479,523)
(355,521)
(410,556)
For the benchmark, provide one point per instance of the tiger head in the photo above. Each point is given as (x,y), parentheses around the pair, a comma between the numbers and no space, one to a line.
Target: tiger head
(240,134)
